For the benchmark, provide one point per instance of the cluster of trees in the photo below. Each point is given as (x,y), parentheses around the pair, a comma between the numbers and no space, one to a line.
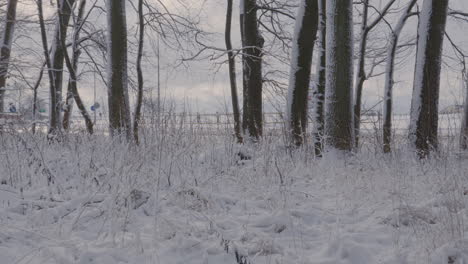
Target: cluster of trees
(326,26)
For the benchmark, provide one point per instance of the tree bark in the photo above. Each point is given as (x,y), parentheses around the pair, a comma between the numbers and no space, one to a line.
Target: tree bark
(301,65)
(232,73)
(425,100)
(139,101)
(119,108)
(252,70)
(319,96)
(5,50)
(339,125)
(389,81)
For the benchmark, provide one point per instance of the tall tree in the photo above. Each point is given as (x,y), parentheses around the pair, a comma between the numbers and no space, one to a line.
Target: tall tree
(76,52)
(252,45)
(464,126)
(339,84)
(232,72)
(5,49)
(119,108)
(319,88)
(389,72)
(141,42)
(366,28)
(73,87)
(425,100)
(57,60)
(301,64)
(48,63)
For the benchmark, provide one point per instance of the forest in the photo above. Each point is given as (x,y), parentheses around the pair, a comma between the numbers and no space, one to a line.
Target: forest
(234,131)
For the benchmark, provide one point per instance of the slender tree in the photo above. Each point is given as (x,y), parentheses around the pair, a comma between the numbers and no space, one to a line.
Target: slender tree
(76,52)
(464,126)
(319,88)
(389,72)
(232,73)
(339,83)
(425,100)
(73,80)
(301,64)
(252,70)
(366,28)
(141,42)
(57,60)
(48,63)
(119,108)
(5,49)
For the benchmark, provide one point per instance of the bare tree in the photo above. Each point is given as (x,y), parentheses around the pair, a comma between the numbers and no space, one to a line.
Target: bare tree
(366,27)
(425,100)
(73,80)
(252,45)
(119,109)
(76,52)
(301,64)
(5,50)
(57,59)
(232,73)
(339,84)
(389,72)
(139,102)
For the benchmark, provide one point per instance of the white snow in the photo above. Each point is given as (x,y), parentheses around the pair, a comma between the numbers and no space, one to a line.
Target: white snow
(112,203)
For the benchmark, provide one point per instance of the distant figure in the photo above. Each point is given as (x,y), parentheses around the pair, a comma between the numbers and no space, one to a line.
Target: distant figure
(12,108)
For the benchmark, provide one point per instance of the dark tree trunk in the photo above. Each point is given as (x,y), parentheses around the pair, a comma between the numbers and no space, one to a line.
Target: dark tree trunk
(391,56)
(339,125)
(5,49)
(139,102)
(232,73)
(76,54)
(425,103)
(57,59)
(252,69)
(301,64)
(119,108)
(319,95)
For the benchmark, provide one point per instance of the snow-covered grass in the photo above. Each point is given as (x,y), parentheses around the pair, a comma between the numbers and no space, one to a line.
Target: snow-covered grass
(187,197)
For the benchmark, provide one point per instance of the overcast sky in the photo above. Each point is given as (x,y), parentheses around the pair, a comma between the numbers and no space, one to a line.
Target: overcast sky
(204,86)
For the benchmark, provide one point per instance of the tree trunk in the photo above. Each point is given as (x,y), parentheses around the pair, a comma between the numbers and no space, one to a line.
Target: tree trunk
(76,54)
(389,81)
(301,64)
(119,108)
(252,69)
(425,101)
(339,125)
(5,50)
(361,73)
(319,92)
(57,59)
(232,73)
(45,48)
(464,127)
(73,81)
(139,102)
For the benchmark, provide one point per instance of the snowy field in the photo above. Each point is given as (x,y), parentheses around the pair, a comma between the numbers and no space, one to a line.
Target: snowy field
(185,197)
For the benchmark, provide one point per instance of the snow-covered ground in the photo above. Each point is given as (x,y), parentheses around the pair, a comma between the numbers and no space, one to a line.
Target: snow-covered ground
(183,197)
